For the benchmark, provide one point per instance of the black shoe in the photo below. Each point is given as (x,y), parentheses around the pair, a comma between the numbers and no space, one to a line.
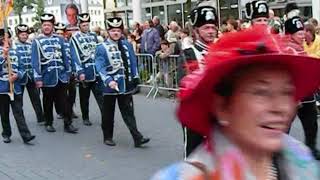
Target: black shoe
(50,128)
(6,140)
(74,115)
(70,129)
(109,142)
(316,154)
(87,122)
(28,139)
(60,116)
(141,141)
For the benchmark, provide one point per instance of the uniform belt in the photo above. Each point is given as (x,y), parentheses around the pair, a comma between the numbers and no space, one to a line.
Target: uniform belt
(55,67)
(89,64)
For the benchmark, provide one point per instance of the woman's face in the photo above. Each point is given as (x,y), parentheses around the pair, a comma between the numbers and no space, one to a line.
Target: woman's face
(146,25)
(308,37)
(260,109)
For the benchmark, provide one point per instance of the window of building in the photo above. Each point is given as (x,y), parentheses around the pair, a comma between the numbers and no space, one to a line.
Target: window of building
(27,20)
(175,13)
(129,2)
(15,21)
(10,22)
(121,3)
(146,14)
(49,2)
(159,11)
(187,9)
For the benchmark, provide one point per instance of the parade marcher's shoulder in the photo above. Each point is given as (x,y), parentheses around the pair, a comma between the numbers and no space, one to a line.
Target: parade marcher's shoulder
(100,46)
(93,34)
(189,54)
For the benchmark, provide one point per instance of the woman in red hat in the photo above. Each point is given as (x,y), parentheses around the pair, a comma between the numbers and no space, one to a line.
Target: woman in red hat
(244,101)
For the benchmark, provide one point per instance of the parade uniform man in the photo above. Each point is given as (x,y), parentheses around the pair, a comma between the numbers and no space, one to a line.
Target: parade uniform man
(83,46)
(204,20)
(23,49)
(257,12)
(60,29)
(116,63)
(51,67)
(16,103)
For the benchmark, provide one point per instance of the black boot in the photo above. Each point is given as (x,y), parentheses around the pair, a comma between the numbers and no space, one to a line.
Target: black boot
(6,140)
(140,142)
(109,142)
(70,129)
(26,140)
(87,122)
(50,128)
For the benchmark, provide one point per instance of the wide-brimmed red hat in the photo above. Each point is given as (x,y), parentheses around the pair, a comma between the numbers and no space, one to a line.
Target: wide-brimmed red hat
(254,45)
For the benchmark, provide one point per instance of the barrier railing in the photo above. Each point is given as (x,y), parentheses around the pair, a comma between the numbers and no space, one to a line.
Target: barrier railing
(166,75)
(146,69)
(158,74)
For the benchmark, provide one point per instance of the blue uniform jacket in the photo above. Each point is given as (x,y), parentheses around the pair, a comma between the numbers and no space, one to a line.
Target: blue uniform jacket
(83,46)
(72,68)
(24,53)
(49,60)
(110,67)
(17,67)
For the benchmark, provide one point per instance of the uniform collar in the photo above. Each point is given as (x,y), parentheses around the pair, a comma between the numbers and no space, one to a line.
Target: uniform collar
(201,46)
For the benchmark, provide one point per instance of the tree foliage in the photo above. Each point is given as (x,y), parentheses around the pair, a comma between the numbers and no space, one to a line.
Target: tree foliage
(18,6)
(39,12)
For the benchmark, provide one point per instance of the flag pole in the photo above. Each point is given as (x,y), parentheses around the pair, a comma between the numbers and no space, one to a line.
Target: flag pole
(6,49)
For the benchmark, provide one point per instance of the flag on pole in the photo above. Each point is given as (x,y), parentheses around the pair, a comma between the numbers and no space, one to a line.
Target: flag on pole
(9,7)
(5,10)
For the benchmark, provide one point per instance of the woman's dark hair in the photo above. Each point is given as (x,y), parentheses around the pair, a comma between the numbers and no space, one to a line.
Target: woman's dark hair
(234,23)
(133,37)
(72,6)
(150,23)
(314,22)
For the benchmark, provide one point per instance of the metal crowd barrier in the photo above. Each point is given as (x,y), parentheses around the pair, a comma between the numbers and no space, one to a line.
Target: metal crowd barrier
(145,64)
(166,75)
(158,74)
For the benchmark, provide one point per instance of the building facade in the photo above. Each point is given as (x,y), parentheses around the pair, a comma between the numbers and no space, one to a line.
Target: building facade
(177,10)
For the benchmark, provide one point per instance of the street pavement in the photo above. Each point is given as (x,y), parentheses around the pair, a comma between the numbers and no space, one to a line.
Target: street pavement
(83,156)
